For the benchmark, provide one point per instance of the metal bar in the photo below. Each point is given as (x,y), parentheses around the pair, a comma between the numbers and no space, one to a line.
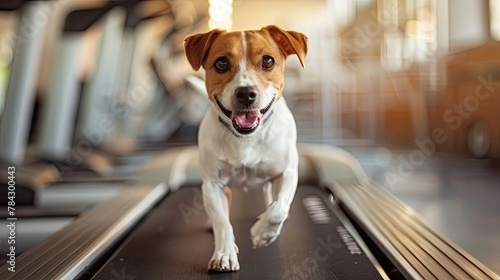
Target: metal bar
(15,122)
(69,251)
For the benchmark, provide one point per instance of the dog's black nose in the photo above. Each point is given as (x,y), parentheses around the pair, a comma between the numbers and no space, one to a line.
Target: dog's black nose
(245,95)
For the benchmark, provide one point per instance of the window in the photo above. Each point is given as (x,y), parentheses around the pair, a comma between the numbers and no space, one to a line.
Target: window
(495,19)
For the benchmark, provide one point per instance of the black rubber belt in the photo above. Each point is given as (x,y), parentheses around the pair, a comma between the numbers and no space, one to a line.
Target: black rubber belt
(174,243)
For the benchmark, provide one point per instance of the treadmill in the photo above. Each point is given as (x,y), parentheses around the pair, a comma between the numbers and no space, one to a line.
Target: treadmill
(72,174)
(341,226)
(44,204)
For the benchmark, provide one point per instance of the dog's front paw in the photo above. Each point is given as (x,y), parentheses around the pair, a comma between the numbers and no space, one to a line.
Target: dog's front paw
(265,230)
(225,259)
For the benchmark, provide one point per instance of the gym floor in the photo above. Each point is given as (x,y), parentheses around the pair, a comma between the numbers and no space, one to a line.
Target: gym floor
(456,196)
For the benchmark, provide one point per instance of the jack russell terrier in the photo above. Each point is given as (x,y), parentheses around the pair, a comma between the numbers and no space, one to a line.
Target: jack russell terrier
(248,137)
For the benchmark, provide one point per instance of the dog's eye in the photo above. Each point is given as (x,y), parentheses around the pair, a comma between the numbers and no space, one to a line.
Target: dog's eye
(267,63)
(221,65)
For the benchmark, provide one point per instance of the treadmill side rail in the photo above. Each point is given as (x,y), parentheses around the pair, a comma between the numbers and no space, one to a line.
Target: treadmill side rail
(65,254)
(418,251)
(405,236)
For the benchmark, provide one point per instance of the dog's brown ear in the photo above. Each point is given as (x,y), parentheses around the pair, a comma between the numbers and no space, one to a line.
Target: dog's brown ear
(290,42)
(196,47)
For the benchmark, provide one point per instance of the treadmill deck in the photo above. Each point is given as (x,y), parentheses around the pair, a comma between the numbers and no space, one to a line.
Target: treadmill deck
(174,242)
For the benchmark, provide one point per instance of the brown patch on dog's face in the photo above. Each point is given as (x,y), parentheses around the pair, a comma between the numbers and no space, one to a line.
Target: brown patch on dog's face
(227,46)
(244,70)
(244,60)
(244,49)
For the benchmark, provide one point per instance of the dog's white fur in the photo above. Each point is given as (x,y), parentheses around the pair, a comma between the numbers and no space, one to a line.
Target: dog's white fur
(226,160)
(267,158)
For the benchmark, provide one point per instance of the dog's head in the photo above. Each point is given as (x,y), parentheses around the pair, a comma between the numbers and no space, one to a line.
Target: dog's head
(244,70)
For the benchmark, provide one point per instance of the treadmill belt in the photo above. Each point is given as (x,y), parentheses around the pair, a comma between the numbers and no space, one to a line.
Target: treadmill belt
(174,242)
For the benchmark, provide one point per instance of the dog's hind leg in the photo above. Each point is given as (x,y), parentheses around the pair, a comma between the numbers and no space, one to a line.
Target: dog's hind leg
(268,193)
(229,196)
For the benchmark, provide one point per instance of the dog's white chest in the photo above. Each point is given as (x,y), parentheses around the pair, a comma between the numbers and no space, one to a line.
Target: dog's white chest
(251,168)
(248,162)
(251,177)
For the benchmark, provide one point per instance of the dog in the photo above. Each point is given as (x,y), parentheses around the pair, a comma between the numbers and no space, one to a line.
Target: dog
(248,138)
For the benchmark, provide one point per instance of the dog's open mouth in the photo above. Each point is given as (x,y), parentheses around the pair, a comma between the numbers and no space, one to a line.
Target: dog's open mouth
(245,121)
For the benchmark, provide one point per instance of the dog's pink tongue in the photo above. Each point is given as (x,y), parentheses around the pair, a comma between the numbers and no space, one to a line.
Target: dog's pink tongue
(246,119)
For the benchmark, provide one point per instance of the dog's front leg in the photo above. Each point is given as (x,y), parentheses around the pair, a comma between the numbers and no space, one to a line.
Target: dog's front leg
(225,253)
(269,224)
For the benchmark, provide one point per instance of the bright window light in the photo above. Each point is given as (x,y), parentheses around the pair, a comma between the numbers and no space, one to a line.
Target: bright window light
(495,19)
(221,14)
